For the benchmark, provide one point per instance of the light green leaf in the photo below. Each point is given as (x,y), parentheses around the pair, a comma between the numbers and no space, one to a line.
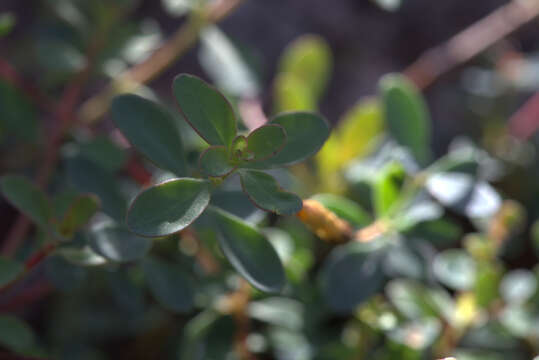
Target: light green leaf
(169,207)
(15,334)
(249,252)
(344,208)
(9,270)
(406,115)
(387,187)
(27,198)
(264,191)
(150,129)
(78,214)
(118,244)
(305,135)
(169,284)
(84,256)
(214,162)
(292,94)
(205,109)
(265,142)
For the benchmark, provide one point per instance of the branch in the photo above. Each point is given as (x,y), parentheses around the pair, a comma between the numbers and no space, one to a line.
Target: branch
(471,42)
(525,121)
(181,41)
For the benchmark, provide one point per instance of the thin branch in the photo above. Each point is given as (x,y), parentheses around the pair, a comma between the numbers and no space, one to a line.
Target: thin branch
(471,42)
(181,41)
(524,123)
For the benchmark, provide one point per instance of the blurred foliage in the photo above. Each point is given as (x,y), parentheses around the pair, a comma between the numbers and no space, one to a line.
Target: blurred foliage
(398,253)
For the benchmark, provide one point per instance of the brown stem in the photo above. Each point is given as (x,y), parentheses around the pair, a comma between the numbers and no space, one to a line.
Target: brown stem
(472,41)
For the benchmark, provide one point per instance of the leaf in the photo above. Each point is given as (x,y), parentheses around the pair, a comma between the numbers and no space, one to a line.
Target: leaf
(150,129)
(83,256)
(169,207)
(344,208)
(7,21)
(309,60)
(169,284)
(214,162)
(249,252)
(292,94)
(118,244)
(305,135)
(15,334)
(406,115)
(518,286)
(351,275)
(387,187)
(263,190)
(27,198)
(78,214)
(9,270)
(105,153)
(225,64)
(18,114)
(455,269)
(265,142)
(205,109)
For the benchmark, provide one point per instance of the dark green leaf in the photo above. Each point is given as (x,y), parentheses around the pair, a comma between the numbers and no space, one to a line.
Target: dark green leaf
(168,207)
(169,284)
(264,192)
(351,275)
(27,198)
(9,270)
(102,151)
(150,129)
(249,252)
(214,162)
(78,214)
(406,115)
(305,135)
(344,208)
(118,244)
(205,109)
(265,142)
(15,334)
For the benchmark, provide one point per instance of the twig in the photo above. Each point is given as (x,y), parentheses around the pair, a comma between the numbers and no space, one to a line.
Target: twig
(525,121)
(181,41)
(472,41)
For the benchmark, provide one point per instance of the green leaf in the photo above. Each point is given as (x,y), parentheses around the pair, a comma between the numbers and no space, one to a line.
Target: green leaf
(102,151)
(249,252)
(118,244)
(169,207)
(15,334)
(265,142)
(169,284)
(7,21)
(455,269)
(214,162)
(292,94)
(263,190)
(9,270)
(344,208)
(83,256)
(150,129)
(27,198)
(205,109)
(387,187)
(518,286)
(18,114)
(406,115)
(78,214)
(351,275)
(305,135)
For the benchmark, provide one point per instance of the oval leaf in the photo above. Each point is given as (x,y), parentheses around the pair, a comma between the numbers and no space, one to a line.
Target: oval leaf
(305,134)
(9,270)
(150,129)
(205,109)
(78,214)
(168,207)
(264,192)
(406,115)
(249,252)
(265,142)
(118,244)
(214,162)
(15,334)
(27,198)
(169,284)
(455,269)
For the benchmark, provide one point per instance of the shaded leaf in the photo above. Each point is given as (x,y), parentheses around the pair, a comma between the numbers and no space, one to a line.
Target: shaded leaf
(9,270)
(205,109)
(406,115)
(118,244)
(169,284)
(169,207)
(105,153)
(214,162)
(264,191)
(78,214)
(15,334)
(265,142)
(150,129)
(27,198)
(249,252)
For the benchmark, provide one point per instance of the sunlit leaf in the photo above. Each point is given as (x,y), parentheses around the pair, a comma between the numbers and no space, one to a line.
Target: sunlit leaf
(344,208)
(265,142)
